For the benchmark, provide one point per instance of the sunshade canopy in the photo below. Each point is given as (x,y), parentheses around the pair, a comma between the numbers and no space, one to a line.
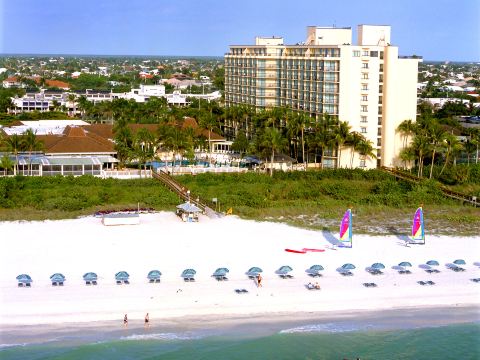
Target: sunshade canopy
(90,276)
(348,266)
(122,275)
(459,262)
(255,270)
(316,267)
(405,264)
(57,277)
(154,275)
(24,278)
(285,269)
(378,266)
(188,272)
(432,263)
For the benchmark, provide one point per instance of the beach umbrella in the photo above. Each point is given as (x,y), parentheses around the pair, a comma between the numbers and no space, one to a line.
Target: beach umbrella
(284,269)
(24,278)
(221,272)
(348,266)
(255,270)
(378,266)
(432,263)
(316,267)
(90,276)
(154,275)
(459,262)
(121,276)
(57,277)
(188,272)
(405,264)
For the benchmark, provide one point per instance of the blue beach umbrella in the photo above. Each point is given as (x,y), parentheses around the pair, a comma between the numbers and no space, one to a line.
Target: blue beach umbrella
(459,262)
(154,275)
(121,276)
(221,272)
(254,270)
(378,266)
(188,272)
(316,268)
(348,266)
(24,279)
(57,277)
(285,269)
(433,263)
(90,276)
(405,264)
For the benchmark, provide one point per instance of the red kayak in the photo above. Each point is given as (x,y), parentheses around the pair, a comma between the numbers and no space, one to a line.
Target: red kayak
(313,250)
(295,251)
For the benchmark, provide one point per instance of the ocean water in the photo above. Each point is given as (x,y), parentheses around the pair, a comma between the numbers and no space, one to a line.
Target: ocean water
(311,341)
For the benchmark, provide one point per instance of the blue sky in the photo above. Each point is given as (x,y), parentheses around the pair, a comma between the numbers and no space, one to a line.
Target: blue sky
(434,29)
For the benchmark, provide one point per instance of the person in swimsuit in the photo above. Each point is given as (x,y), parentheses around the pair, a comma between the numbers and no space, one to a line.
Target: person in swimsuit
(259,280)
(125,320)
(147,320)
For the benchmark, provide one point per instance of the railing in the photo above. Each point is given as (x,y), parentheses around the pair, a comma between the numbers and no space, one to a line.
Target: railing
(183,192)
(126,174)
(472,200)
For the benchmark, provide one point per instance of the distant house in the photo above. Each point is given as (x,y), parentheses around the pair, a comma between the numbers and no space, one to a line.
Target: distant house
(12,81)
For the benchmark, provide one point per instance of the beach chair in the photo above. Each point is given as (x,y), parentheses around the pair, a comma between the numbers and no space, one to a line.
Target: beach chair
(157,280)
(119,282)
(430,282)
(88,283)
(94,282)
(126,282)
(423,283)
(346,273)
(151,281)
(476,280)
(60,283)
(28,285)
(20,284)
(54,284)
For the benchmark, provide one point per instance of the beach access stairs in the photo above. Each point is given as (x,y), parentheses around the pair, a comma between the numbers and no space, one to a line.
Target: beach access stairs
(400,174)
(173,185)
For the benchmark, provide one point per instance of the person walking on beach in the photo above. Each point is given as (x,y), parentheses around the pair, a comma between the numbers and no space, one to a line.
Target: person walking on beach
(147,320)
(125,320)
(259,280)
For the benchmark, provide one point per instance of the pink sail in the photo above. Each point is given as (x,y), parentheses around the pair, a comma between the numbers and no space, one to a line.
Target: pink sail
(346,227)
(418,230)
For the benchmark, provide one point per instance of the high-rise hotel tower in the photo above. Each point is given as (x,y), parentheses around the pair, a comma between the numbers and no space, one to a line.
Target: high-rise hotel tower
(368,85)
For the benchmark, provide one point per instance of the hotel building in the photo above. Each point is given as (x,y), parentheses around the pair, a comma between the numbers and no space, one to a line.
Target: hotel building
(368,85)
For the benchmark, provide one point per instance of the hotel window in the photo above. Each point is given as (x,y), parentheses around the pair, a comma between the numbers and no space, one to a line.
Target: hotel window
(364,65)
(380,88)
(381,55)
(381,67)
(380,78)
(365,76)
(364,108)
(363,163)
(380,99)
(365,53)
(365,87)
(364,98)
(363,130)
(380,111)
(363,119)
(356,53)
(373,53)
(379,142)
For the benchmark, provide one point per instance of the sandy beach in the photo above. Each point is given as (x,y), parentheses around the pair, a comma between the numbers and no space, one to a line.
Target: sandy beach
(163,242)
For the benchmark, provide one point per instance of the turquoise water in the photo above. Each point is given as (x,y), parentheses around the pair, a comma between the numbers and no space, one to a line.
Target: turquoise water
(325,341)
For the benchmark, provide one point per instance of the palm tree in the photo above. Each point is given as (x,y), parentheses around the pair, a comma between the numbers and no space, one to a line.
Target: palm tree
(15,145)
(354,141)
(437,136)
(174,139)
(365,149)
(342,133)
(451,142)
(407,155)
(408,129)
(324,134)
(144,147)
(209,122)
(72,98)
(421,144)
(274,141)
(123,144)
(31,144)
(6,164)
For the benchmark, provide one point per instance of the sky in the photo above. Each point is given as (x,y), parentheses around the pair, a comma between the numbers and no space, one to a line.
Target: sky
(435,29)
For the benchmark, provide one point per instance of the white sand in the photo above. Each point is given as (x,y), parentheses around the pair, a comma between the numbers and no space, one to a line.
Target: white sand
(163,242)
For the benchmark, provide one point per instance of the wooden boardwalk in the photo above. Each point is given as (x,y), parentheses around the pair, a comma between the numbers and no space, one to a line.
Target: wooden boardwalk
(399,174)
(185,194)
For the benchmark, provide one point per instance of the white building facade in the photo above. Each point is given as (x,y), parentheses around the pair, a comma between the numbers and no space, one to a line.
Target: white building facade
(368,84)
